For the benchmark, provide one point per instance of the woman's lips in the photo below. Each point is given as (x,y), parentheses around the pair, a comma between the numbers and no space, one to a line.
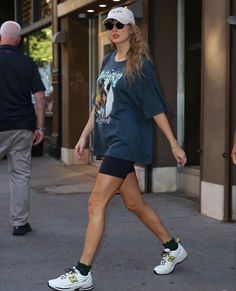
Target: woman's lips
(115,36)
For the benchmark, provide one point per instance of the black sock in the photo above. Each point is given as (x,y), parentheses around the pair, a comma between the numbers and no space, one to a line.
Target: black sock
(83,269)
(171,244)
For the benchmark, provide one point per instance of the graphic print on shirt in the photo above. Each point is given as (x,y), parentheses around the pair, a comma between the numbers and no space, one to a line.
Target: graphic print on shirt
(105,96)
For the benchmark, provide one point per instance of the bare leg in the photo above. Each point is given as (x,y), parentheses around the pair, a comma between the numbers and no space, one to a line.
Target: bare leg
(104,189)
(133,200)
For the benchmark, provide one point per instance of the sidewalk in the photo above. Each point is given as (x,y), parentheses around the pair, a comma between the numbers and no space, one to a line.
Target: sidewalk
(128,251)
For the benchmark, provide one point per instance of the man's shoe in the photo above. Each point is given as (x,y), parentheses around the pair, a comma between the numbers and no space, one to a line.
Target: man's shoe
(71,281)
(21,230)
(170,259)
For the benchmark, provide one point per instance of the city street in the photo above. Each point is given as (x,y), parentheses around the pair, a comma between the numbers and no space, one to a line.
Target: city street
(128,252)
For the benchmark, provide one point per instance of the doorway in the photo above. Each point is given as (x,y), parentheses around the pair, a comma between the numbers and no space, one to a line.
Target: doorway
(193,22)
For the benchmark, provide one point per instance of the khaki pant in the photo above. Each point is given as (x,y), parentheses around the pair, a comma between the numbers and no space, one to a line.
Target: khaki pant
(16,145)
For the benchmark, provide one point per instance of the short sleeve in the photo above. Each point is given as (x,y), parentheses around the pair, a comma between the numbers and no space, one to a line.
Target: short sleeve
(36,82)
(148,92)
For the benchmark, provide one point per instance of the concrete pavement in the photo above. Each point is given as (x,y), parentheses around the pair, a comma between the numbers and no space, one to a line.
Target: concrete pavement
(128,251)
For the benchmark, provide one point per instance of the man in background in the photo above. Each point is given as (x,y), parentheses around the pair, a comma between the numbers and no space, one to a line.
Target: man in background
(19,126)
(232,20)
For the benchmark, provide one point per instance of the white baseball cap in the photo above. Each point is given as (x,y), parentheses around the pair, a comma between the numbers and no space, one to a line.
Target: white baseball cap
(121,14)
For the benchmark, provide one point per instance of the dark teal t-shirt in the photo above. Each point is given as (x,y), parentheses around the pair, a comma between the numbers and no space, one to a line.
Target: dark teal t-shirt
(124,111)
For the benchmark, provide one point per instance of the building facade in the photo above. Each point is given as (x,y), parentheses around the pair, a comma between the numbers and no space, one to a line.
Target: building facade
(193,48)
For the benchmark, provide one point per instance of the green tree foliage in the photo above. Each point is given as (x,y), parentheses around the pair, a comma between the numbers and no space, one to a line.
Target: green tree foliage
(40,46)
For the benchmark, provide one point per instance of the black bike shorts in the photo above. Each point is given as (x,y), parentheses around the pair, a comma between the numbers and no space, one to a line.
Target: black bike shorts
(116,167)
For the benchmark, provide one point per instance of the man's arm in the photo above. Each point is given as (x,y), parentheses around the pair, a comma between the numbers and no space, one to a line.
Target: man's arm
(40,114)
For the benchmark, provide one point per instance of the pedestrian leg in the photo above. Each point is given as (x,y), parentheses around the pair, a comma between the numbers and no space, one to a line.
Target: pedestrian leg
(133,200)
(174,252)
(19,164)
(104,189)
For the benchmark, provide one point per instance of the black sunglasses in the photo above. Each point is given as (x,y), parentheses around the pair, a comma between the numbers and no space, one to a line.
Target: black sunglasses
(109,25)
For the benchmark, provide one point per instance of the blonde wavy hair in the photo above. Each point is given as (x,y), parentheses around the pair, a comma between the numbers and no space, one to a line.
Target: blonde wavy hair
(138,49)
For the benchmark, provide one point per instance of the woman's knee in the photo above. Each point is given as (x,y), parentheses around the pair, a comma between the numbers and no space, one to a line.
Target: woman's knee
(135,207)
(96,205)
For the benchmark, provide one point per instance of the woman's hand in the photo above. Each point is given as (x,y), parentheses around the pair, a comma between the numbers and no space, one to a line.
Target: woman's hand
(162,121)
(79,148)
(233,154)
(179,155)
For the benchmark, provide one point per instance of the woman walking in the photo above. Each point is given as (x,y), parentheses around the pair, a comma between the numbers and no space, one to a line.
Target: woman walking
(128,100)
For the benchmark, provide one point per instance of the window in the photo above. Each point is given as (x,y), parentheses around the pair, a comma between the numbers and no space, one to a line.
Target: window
(38,46)
(31,11)
(26,12)
(45,8)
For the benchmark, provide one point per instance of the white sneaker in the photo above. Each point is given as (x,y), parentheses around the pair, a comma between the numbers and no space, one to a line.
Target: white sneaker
(72,281)
(170,259)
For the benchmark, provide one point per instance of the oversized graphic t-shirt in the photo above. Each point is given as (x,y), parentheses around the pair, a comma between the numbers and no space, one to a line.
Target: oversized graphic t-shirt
(124,111)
